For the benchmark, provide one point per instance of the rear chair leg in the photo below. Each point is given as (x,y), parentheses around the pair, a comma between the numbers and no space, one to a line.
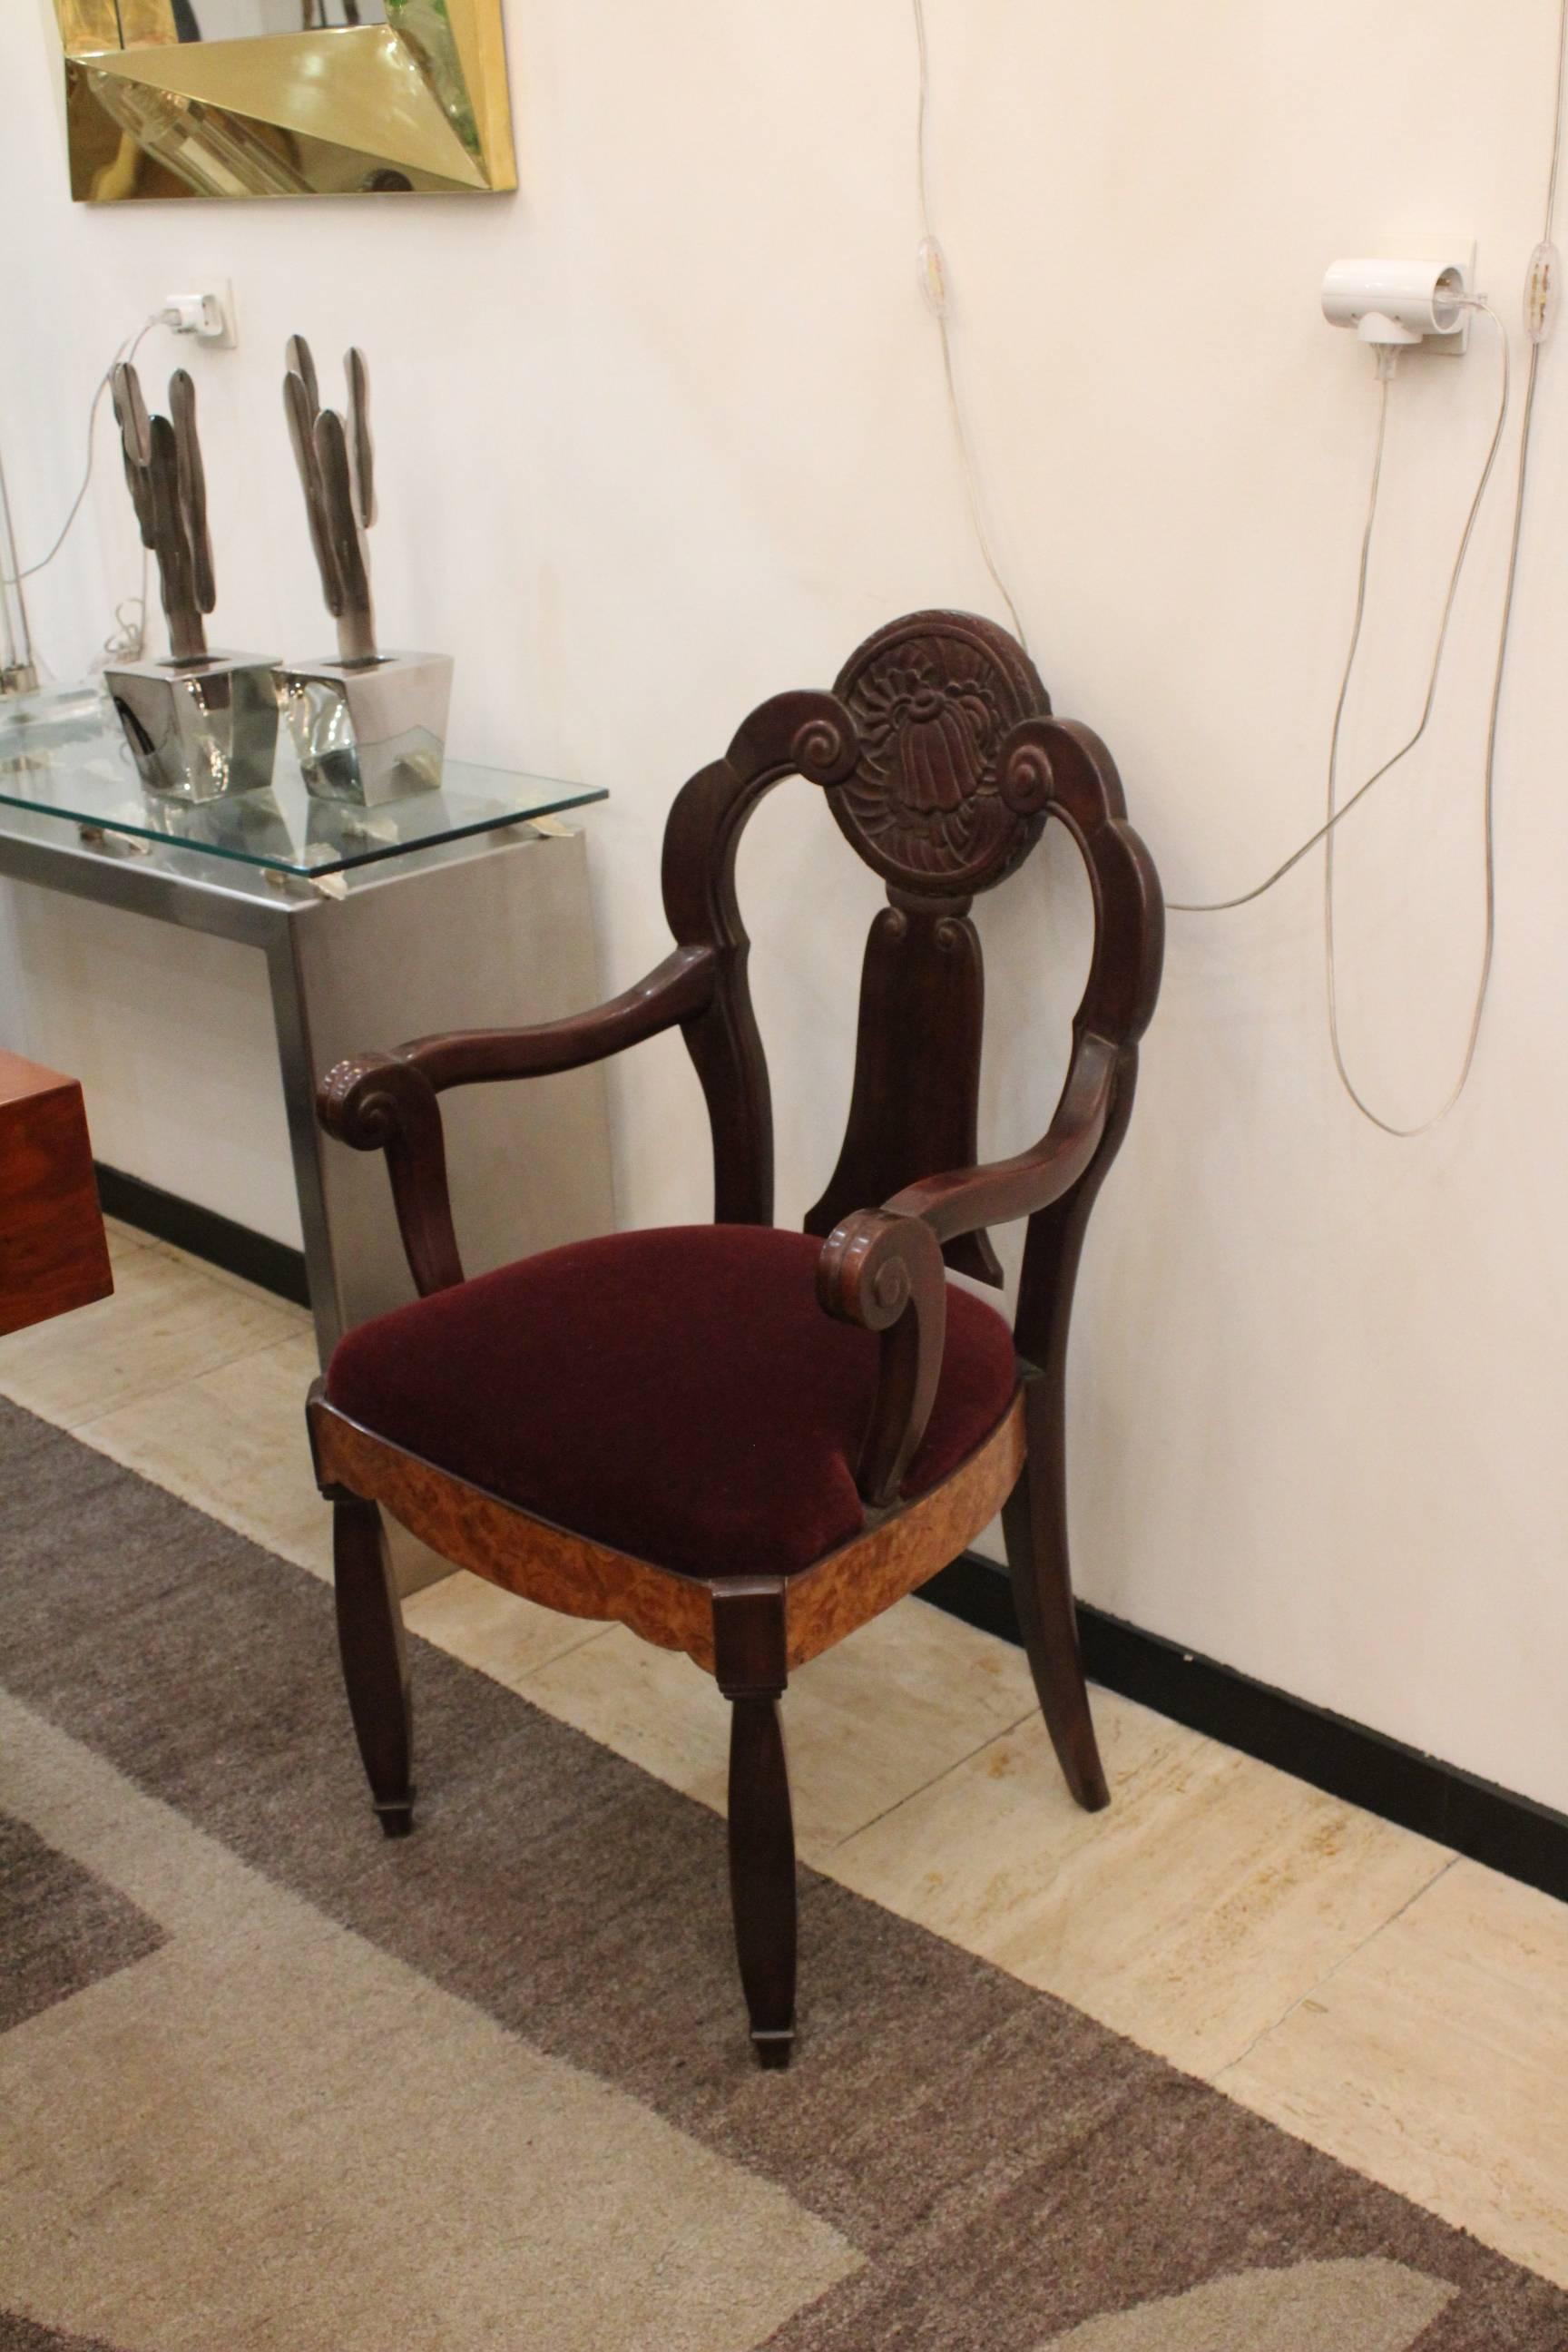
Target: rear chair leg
(749,1656)
(374,1660)
(1034,1520)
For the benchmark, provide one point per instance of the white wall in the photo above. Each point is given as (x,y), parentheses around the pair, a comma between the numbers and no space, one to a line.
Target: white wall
(666,432)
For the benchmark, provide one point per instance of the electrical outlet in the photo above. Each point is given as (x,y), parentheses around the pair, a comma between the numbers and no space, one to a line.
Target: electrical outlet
(1461,245)
(208,316)
(1457,345)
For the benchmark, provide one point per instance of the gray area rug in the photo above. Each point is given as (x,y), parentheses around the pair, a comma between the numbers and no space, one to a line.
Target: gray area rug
(268,2080)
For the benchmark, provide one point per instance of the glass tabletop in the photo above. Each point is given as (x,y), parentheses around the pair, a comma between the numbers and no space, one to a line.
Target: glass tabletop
(64,756)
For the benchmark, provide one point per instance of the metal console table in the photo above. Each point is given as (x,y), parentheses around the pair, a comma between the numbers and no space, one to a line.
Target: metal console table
(467,907)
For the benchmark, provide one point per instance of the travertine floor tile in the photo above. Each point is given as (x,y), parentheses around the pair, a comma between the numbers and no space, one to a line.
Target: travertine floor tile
(1436,2059)
(1213,1895)
(988,1836)
(122,1240)
(877,1717)
(233,1441)
(220,1273)
(504,1636)
(167,1323)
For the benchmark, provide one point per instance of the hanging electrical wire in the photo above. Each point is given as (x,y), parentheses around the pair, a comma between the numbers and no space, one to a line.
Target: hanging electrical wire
(1488,854)
(1337,815)
(128,636)
(933,286)
(127,352)
(1540,305)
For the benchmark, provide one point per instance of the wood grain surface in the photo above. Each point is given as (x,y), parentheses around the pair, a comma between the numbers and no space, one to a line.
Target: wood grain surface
(54,1253)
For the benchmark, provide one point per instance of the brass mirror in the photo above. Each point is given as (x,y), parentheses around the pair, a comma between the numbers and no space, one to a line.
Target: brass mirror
(285,98)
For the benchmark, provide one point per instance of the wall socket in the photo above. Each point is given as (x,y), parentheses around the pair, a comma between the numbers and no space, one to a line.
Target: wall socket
(208,316)
(1460,246)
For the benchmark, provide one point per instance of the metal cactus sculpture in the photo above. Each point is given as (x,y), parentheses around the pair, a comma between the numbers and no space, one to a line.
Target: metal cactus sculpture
(168,490)
(200,725)
(337,467)
(370,727)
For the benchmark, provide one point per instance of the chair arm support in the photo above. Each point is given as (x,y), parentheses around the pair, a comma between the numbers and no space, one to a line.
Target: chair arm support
(387,1102)
(968,1198)
(885,1273)
(882,1268)
(380,1102)
(673,992)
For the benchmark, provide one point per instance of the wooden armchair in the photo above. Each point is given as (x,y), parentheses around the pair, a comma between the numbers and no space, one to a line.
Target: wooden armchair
(740,1441)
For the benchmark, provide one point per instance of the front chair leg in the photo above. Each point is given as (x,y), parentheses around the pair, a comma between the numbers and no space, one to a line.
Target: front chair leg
(374,1659)
(749,1657)
(1035,1523)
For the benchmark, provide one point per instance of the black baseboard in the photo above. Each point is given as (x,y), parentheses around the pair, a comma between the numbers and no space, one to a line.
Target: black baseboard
(1511,1833)
(271,1266)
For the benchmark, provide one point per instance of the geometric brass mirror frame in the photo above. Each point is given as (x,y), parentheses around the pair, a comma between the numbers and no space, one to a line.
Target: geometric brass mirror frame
(285,98)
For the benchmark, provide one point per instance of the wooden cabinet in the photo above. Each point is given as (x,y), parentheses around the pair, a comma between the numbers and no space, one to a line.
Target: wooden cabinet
(53,1254)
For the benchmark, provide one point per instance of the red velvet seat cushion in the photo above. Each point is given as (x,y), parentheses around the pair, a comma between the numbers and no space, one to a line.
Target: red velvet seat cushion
(678,1394)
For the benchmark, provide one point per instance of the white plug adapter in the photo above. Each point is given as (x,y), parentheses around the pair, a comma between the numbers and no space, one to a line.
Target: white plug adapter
(1393,303)
(208,316)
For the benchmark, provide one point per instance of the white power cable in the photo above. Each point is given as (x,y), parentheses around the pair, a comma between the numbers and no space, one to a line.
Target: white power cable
(1545,294)
(933,279)
(1488,792)
(29,570)
(1338,815)
(933,285)
(1489,855)
(130,637)
(1556,124)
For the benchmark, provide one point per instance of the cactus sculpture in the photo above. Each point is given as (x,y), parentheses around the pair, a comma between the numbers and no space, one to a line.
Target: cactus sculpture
(200,725)
(168,490)
(336,466)
(369,727)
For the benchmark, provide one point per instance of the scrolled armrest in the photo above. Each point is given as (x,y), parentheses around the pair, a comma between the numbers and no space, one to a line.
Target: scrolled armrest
(673,992)
(388,1102)
(966,1199)
(368,1099)
(382,1102)
(885,1273)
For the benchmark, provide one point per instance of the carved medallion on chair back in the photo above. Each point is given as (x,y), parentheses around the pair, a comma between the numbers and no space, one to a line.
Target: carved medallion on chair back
(934,698)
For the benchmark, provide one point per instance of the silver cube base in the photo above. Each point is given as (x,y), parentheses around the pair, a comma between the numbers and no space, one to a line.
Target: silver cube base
(198,730)
(369,732)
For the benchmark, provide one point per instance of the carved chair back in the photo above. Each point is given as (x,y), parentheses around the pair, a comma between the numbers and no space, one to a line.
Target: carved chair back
(941,762)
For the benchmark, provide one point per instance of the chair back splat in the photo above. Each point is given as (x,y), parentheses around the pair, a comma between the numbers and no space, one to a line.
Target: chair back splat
(941,762)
